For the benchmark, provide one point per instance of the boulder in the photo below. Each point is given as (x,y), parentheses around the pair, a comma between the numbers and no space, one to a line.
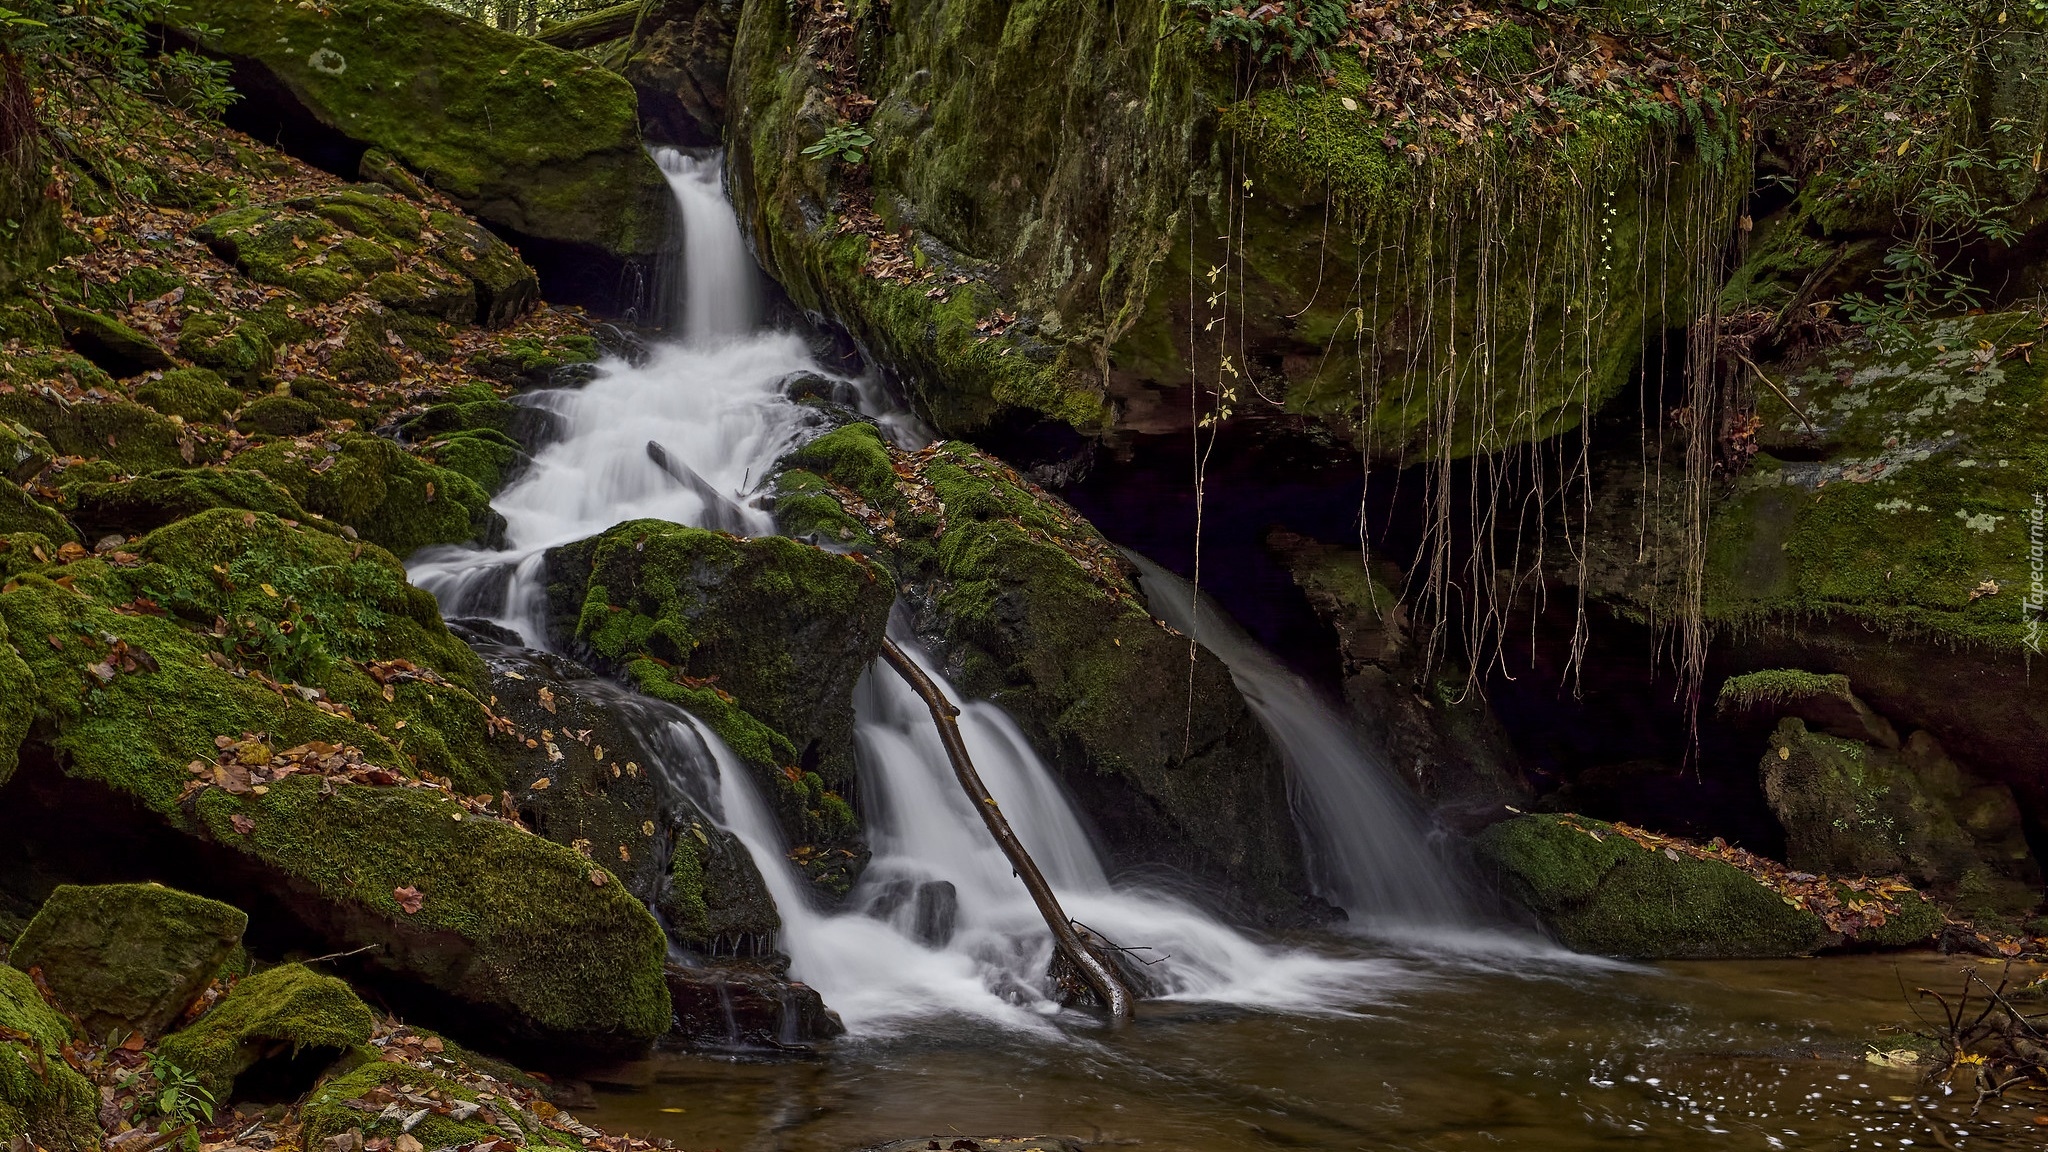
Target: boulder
(124,434)
(1867,808)
(529,138)
(119,349)
(1027,605)
(723,1006)
(283,1026)
(128,957)
(41,1097)
(678,63)
(763,639)
(190,394)
(23,452)
(1599,891)
(295,659)
(378,489)
(458,1116)
(139,506)
(17,703)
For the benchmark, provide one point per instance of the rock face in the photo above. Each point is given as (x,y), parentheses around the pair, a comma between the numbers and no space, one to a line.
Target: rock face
(1444,739)
(128,957)
(41,1098)
(763,639)
(1052,244)
(1029,607)
(678,64)
(277,1019)
(1603,893)
(539,141)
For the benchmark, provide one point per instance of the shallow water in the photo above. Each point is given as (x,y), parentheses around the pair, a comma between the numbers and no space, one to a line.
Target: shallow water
(1435,1053)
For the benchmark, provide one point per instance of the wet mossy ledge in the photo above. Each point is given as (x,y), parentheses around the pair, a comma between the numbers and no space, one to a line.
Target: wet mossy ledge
(1028,606)
(762,639)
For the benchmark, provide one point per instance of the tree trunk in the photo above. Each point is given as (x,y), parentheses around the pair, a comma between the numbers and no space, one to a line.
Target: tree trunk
(1101,976)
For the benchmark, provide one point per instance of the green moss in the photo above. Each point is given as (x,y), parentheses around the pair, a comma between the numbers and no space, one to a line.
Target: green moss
(287,1012)
(530,137)
(121,433)
(1603,893)
(487,458)
(145,503)
(1778,686)
(27,369)
(20,512)
(279,416)
(17,705)
(23,452)
(1917,507)
(853,457)
(40,1096)
(191,394)
(382,491)
(238,348)
(327,1113)
(128,957)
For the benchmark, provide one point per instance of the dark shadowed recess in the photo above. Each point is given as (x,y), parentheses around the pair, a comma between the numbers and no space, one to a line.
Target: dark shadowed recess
(105,838)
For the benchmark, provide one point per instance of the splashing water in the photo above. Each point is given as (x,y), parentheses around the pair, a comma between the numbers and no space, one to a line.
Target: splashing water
(938,925)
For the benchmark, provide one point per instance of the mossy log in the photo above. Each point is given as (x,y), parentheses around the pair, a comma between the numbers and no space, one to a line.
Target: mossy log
(600,27)
(1101,976)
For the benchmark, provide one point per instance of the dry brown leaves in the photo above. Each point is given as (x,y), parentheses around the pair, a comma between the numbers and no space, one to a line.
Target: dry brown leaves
(250,765)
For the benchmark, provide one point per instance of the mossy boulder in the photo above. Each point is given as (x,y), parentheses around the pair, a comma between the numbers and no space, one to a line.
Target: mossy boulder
(467,1119)
(537,140)
(366,238)
(489,459)
(1851,807)
(128,957)
(763,639)
(41,1097)
(17,704)
(1601,892)
(532,940)
(23,452)
(239,346)
(21,512)
(190,394)
(288,1016)
(150,501)
(119,432)
(383,492)
(1028,606)
(279,416)
(114,346)
(714,900)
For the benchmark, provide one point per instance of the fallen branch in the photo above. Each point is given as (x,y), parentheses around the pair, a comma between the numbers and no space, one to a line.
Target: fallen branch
(1102,979)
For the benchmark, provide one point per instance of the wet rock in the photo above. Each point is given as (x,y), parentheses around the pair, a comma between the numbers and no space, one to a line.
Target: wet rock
(763,639)
(273,1035)
(41,1097)
(1444,739)
(1028,605)
(736,1006)
(539,141)
(112,345)
(128,957)
(1603,893)
(926,910)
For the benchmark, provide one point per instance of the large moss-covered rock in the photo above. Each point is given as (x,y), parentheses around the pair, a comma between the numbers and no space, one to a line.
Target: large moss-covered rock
(41,1097)
(1601,892)
(17,704)
(1062,252)
(1851,807)
(763,639)
(119,432)
(680,56)
(525,136)
(610,775)
(366,238)
(21,512)
(530,938)
(141,505)
(114,346)
(128,957)
(1029,606)
(336,1107)
(23,452)
(383,492)
(289,1015)
(190,394)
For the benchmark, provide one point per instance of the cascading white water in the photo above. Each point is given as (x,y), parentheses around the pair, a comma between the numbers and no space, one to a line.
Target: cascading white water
(719,292)
(1366,837)
(714,408)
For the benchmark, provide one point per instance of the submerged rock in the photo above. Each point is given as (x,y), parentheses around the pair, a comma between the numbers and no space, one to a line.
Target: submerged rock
(41,1097)
(128,958)
(283,1026)
(539,141)
(743,1007)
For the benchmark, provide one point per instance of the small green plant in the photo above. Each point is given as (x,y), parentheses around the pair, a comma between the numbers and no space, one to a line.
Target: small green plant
(180,1101)
(848,142)
(1293,30)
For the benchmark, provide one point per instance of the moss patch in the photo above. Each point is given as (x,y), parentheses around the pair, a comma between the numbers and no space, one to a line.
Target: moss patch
(287,1013)
(379,489)
(40,1096)
(128,957)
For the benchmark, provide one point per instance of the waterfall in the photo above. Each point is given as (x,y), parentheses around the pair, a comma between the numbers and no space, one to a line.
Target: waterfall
(938,926)
(1367,839)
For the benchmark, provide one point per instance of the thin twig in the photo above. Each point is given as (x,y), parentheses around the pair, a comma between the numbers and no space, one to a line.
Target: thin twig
(1780,391)
(343,955)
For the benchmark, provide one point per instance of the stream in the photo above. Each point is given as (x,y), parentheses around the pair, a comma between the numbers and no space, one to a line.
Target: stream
(1424,1023)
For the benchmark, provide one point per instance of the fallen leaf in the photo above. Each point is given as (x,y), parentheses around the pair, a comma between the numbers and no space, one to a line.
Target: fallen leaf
(597,878)
(243,825)
(408,898)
